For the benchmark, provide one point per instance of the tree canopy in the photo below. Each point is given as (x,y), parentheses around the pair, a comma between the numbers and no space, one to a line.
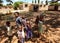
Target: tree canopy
(9,1)
(54,3)
(1,1)
(16,4)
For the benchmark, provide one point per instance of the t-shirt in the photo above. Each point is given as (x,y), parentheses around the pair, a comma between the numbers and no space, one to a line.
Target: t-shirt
(18,20)
(40,27)
(9,31)
(21,34)
(24,22)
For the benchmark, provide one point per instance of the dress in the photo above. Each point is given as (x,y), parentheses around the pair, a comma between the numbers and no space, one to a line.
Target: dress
(40,27)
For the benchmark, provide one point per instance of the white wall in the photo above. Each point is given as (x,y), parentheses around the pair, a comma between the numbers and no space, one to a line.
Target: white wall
(43,8)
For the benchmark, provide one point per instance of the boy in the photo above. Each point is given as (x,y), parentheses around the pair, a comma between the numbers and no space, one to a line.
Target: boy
(40,25)
(9,31)
(21,34)
(18,19)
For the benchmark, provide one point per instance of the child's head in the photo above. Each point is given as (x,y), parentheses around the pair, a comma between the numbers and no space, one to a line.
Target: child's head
(27,22)
(7,23)
(23,17)
(16,14)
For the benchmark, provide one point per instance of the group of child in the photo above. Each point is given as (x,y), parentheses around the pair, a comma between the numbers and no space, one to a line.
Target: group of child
(24,27)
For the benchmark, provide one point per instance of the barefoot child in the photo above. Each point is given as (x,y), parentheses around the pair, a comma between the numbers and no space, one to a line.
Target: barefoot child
(18,18)
(9,31)
(20,33)
(28,30)
(40,25)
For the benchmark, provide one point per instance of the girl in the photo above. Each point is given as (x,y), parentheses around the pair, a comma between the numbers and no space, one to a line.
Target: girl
(40,25)
(28,30)
(21,34)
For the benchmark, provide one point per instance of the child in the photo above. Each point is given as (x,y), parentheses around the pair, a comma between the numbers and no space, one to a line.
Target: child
(18,18)
(21,34)
(28,30)
(9,30)
(24,21)
(40,25)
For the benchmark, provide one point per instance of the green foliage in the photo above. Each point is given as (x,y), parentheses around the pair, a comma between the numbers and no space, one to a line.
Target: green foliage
(10,1)
(54,3)
(1,4)
(16,4)
(1,1)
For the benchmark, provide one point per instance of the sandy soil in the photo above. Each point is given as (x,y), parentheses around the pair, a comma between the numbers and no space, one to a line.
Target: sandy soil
(51,29)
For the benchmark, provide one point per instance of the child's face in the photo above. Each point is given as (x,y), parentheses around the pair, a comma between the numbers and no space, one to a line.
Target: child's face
(28,22)
(16,15)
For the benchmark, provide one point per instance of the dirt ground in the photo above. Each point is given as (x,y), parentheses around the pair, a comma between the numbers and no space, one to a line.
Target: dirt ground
(51,29)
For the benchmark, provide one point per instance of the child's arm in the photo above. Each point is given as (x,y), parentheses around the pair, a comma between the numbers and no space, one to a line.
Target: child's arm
(25,34)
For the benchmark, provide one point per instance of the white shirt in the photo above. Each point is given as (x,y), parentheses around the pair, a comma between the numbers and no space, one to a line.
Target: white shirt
(21,34)
(9,30)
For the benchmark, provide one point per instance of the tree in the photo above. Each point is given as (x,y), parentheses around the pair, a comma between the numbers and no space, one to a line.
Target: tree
(16,4)
(38,1)
(41,2)
(54,3)
(35,1)
(9,1)
(32,1)
(1,3)
(46,2)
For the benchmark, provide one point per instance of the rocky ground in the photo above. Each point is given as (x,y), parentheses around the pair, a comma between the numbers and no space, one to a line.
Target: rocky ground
(51,30)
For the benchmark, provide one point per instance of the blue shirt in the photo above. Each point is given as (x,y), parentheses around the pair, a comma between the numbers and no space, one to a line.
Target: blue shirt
(18,19)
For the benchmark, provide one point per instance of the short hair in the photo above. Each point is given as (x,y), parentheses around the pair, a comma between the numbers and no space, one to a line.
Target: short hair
(17,13)
(8,23)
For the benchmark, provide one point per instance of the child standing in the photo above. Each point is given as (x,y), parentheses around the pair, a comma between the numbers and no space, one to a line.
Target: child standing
(18,18)
(9,31)
(40,25)
(21,34)
(28,30)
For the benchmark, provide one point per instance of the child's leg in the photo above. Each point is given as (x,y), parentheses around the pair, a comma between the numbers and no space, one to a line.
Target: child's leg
(10,38)
(21,40)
